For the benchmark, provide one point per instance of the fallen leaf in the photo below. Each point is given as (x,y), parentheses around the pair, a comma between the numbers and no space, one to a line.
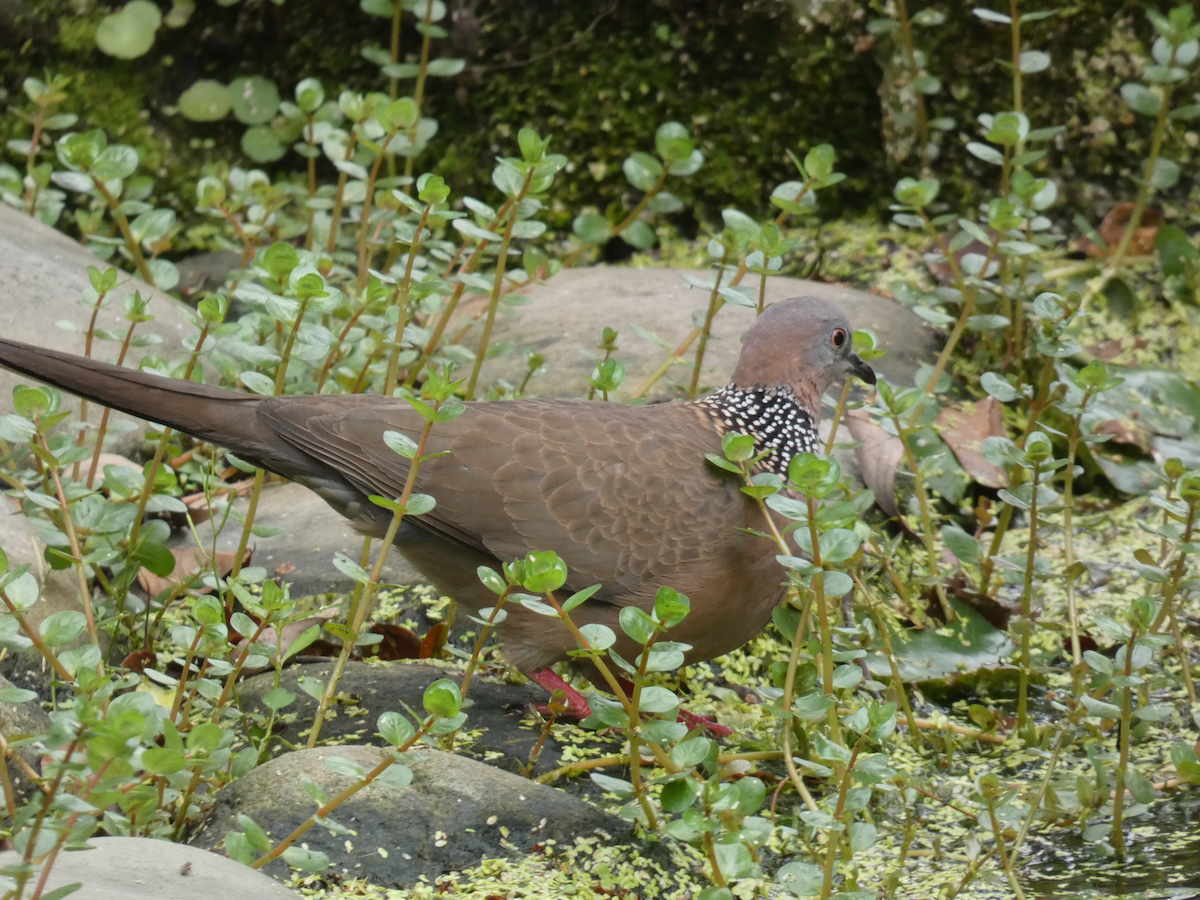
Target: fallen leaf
(398,642)
(293,630)
(138,660)
(1106,350)
(878,454)
(1125,432)
(960,588)
(1112,229)
(188,560)
(432,640)
(286,568)
(964,431)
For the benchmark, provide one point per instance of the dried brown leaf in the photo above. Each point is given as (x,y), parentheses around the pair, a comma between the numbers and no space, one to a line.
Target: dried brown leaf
(878,455)
(964,431)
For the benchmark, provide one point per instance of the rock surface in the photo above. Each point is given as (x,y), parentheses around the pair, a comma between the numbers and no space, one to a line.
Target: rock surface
(565,319)
(18,720)
(454,813)
(135,868)
(43,276)
(59,591)
(313,534)
(376,688)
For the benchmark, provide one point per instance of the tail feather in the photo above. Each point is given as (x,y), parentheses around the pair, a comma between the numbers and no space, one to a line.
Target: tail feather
(224,417)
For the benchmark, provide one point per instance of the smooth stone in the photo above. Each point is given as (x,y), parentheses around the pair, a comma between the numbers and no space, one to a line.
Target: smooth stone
(564,320)
(43,275)
(313,535)
(455,813)
(136,868)
(379,687)
(59,591)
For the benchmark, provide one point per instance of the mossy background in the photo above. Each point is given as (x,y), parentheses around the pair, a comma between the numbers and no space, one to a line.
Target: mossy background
(750,79)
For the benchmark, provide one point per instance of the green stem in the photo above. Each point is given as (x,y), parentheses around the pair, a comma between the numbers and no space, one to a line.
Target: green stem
(1027,605)
(715,302)
(497,285)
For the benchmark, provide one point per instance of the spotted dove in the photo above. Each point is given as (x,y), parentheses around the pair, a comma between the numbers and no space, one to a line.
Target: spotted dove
(622,493)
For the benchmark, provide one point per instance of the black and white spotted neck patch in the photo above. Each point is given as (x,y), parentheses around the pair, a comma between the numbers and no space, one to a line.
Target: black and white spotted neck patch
(774,418)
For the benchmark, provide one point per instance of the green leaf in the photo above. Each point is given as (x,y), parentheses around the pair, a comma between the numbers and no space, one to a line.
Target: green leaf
(307,860)
(986,153)
(642,170)
(129,33)
(1165,173)
(838,544)
(592,228)
(800,878)
(205,101)
(62,627)
(1175,249)
(635,623)
(672,142)
(578,597)
(679,795)
(639,235)
(445,68)
(443,699)
(16,695)
(657,699)
(396,777)
(160,761)
(255,100)
(1141,99)
(1032,61)
(961,544)
(395,729)
(262,144)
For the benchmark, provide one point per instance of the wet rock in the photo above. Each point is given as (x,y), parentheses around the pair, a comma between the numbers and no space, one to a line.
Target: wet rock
(493,731)
(453,814)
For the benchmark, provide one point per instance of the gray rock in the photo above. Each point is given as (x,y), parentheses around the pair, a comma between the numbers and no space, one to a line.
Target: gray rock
(60,591)
(455,813)
(19,720)
(206,271)
(314,534)
(43,274)
(135,868)
(564,321)
(496,712)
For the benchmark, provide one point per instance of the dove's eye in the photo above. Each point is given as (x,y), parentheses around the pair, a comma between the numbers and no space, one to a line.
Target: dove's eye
(838,338)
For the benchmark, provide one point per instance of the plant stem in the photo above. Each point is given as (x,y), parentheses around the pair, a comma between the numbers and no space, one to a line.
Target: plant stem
(1097,284)
(357,614)
(715,302)
(1027,604)
(497,284)
(139,261)
(914,72)
(1118,833)
(402,292)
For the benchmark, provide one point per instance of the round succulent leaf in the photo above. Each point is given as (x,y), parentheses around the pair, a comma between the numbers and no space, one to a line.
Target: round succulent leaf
(205,101)
(129,33)
(261,144)
(255,99)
